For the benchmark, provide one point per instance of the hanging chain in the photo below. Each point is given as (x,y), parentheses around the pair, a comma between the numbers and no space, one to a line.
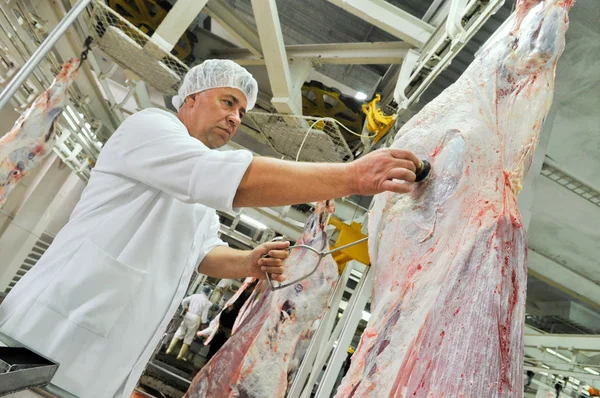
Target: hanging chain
(87,45)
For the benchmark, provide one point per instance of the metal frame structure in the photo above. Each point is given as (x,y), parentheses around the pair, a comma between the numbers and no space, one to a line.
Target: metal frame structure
(42,51)
(331,340)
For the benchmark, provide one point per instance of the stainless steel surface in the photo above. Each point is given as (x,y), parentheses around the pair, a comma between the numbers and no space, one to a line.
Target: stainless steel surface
(26,371)
(55,392)
(41,52)
(157,366)
(22,369)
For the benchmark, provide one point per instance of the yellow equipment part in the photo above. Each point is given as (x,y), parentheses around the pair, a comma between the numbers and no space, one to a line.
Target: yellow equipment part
(318,101)
(377,122)
(348,234)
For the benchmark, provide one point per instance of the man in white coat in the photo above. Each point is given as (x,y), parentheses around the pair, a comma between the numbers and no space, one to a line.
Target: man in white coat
(99,299)
(223,286)
(196,309)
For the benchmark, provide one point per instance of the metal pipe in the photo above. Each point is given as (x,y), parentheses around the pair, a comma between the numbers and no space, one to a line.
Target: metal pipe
(42,51)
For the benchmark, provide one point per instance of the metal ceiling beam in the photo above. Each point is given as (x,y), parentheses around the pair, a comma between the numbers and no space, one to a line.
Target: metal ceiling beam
(434,8)
(236,26)
(418,74)
(285,98)
(577,375)
(389,18)
(179,18)
(380,53)
(566,280)
(536,353)
(571,342)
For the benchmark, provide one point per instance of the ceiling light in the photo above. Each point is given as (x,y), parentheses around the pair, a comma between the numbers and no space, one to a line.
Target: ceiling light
(556,354)
(356,273)
(592,371)
(252,222)
(75,118)
(68,119)
(366,316)
(360,96)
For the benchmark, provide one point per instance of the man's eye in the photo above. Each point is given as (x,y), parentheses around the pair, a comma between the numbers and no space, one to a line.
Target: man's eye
(242,114)
(228,103)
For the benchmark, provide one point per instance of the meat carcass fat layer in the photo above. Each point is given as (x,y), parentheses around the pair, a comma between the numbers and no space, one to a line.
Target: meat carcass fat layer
(32,136)
(274,328)
(450,257)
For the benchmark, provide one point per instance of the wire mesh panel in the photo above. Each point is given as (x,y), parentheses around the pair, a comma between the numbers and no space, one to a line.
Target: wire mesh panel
(303,138)
(132,49)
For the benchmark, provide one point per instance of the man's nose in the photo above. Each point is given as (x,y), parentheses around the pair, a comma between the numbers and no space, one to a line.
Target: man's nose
(234,119)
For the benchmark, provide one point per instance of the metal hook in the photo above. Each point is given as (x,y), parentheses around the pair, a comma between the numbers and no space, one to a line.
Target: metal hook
(86,45)
(320,255)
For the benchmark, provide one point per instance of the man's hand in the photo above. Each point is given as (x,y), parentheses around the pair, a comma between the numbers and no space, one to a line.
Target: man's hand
(256,264)
(376,172)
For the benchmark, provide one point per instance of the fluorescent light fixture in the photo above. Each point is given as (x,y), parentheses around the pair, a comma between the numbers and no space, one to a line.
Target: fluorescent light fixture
(366,316)
(544,366)
(75,118)
(356,273)
(360,96)
(68,119)
(556,354)
(574,381)
(252,222)
(592,371)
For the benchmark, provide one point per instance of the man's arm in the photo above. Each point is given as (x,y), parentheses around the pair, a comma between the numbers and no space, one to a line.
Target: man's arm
(273,182)
(227,263)
(185,303)
(205,311)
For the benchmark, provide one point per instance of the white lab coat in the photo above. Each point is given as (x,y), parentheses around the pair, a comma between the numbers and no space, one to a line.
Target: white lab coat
(197,304)
(100,298)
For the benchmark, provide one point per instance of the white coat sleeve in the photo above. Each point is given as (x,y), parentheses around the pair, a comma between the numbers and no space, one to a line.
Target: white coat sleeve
(212,239)
(185,303)
(155,148)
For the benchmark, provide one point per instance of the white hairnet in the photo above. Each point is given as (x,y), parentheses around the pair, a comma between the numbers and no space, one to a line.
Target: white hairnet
(215,73)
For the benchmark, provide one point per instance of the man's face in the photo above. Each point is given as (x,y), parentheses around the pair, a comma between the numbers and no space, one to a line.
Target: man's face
(214,115)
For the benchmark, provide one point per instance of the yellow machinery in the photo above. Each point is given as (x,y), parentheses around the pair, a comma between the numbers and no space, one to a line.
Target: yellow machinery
(377,122)
(321,101)
(348,234)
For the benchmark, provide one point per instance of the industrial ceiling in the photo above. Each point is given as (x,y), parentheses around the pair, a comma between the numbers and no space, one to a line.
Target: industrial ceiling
(560,201)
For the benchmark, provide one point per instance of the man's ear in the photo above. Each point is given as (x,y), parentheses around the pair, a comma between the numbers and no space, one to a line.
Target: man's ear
(190,99)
